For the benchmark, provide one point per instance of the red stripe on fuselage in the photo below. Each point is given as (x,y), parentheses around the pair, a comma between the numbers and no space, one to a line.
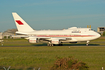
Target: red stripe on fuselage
(19,22)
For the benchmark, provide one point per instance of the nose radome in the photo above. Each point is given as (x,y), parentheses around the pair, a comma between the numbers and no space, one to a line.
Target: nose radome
(98,35)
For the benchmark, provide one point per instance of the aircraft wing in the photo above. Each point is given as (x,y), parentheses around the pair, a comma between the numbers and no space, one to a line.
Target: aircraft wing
(54,40)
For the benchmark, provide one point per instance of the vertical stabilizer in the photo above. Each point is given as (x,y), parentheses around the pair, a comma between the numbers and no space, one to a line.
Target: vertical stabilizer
(22,26)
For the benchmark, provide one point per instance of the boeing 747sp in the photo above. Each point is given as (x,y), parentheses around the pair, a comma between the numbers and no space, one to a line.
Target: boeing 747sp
(52,37)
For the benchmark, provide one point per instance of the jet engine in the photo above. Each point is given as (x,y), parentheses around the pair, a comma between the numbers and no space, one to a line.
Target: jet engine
(32,40)
(55,41)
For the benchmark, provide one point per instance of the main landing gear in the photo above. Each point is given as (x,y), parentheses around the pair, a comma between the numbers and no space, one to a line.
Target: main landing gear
(51,44)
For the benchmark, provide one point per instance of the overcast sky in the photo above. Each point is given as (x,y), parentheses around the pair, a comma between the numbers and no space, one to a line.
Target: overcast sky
(53,14)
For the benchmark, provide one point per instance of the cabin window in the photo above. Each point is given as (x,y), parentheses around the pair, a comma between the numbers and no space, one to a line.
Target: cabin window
(76,31)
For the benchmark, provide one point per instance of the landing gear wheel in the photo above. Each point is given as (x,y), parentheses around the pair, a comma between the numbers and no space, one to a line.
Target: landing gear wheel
(50,44)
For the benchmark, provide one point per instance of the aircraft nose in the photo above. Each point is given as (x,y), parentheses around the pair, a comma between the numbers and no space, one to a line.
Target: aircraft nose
(98,35)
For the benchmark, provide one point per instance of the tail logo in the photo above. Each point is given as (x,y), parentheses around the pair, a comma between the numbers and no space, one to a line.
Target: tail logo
(19,22)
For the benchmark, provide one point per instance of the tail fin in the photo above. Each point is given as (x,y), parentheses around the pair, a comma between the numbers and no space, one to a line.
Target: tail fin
(22,26)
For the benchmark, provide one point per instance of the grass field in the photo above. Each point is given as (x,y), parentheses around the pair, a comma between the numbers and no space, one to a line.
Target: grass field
(21,55)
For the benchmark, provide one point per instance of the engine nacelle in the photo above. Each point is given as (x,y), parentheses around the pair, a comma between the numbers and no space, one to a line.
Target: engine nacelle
(55,41)
(32,40)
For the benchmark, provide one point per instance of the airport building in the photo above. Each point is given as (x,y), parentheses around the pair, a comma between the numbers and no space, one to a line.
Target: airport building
(10,33)
(100,30)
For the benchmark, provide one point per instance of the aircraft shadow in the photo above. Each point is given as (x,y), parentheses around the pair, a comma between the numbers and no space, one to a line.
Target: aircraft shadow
(80,45)
(67,44)
(39,44)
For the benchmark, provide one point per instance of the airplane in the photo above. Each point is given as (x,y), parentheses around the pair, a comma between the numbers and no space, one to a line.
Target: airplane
(53,37)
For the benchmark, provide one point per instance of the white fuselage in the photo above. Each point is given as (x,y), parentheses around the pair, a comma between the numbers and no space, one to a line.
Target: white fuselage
(75,34)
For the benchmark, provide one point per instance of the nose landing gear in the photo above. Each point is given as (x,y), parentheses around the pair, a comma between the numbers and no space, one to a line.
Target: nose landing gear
(87,43)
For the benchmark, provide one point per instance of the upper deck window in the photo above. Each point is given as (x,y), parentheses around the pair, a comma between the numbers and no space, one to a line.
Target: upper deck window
(76,31)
